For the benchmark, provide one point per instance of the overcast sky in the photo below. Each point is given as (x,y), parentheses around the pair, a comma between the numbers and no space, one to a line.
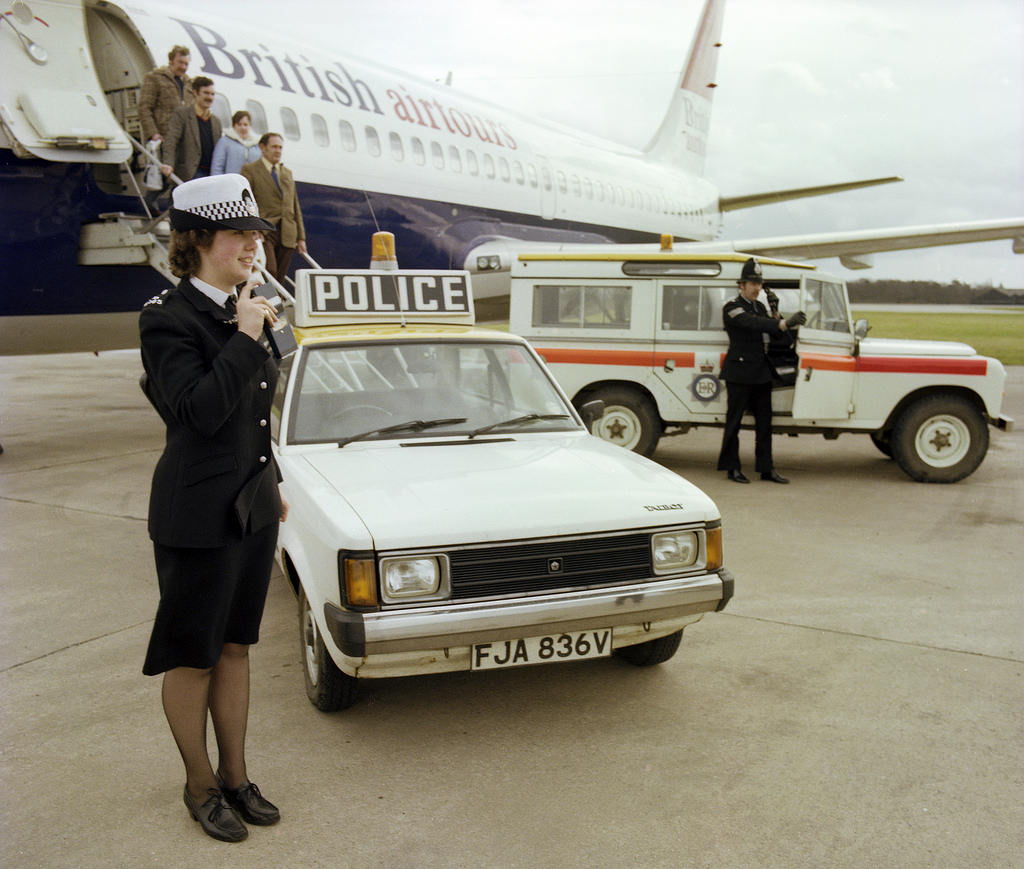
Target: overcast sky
(809,92)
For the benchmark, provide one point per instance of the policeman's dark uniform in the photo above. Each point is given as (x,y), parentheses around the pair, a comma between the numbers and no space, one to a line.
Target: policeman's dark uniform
(748,376)
(214,506)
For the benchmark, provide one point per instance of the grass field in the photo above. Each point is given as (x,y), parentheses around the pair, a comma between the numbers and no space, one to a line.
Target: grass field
(998,335)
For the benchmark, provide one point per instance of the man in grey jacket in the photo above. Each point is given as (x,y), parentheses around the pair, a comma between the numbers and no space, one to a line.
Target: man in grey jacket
(191,134)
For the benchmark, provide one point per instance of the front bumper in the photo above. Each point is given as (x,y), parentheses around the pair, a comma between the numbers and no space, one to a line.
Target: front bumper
(1004,423)
(447,625)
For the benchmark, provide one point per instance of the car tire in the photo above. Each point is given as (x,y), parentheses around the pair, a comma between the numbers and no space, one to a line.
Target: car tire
(630,419)
(652,652)
(940,439)
(883,443)
(328,688)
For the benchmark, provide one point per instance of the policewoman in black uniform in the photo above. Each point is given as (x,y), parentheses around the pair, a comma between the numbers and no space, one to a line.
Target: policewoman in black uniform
(748,374)
(215,507)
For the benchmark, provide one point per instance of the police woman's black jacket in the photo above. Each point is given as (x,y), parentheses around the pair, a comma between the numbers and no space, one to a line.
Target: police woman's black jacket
(212,385)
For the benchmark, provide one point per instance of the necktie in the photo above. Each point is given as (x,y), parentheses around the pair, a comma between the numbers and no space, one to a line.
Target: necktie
(273,174)
(231,308)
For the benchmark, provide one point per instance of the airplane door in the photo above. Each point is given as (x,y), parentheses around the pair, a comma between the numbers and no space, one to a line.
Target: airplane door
(51,101)
(824,383)
(548,195)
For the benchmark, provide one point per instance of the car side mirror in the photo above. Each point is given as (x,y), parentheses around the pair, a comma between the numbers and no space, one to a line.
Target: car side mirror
(861,329)
(591,412)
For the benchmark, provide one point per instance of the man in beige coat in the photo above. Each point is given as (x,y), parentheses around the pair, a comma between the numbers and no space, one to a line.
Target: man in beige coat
(274,188)
(191,134)
(164,89)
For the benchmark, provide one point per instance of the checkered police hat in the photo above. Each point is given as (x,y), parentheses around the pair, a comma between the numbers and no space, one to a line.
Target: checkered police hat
(216,202)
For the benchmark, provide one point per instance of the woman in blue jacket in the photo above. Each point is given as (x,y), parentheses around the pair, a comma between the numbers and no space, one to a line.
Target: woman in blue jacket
(236,147)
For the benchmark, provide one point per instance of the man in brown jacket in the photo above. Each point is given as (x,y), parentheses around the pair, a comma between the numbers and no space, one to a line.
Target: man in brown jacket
(274,188)
(191,134)
(164,89)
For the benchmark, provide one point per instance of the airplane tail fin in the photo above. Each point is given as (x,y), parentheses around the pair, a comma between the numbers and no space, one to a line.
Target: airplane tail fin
(682,137)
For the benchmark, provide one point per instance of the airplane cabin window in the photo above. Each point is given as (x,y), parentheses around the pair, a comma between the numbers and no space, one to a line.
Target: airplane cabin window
(506,175)
(546,175)
(599,187)
(472,164)
(560,178)
(517,169)
(419,156)
(372,141)
(320,134)
(437,155)
(348,135)
(222,109)
(588,188)
(488,165)
(397,148)
(290,124)
(575,185)
(454,158)
(258,115)
(531,174)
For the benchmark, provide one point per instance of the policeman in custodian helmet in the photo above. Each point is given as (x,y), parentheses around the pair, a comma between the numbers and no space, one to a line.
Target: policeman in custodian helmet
(748,375)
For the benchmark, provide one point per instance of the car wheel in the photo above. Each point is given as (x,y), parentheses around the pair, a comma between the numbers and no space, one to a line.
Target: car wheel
(940,439)
(327,687)
(630,419)
(883,443)
(652,652)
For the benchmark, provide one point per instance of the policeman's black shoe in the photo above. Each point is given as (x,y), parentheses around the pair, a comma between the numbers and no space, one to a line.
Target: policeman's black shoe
(738,477)
(252,805)
(216,817)
(774,477)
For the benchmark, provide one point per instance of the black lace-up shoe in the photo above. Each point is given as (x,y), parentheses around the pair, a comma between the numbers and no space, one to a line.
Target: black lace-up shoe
(216,817)
(252,805)
(738,477)
(774,477)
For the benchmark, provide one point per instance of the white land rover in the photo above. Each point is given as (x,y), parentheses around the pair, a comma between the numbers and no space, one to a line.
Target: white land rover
(641,330)
(450,509)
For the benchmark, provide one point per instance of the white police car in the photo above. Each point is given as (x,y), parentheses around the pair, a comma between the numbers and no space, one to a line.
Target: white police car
(450,510)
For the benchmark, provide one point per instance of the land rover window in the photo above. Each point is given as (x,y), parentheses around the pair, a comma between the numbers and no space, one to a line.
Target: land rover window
(582,307)
(825,306)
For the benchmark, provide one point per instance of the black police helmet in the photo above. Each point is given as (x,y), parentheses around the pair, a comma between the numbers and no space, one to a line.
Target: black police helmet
(751,271)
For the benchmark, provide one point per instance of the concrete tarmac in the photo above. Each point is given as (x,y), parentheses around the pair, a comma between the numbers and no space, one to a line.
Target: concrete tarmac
(859,703)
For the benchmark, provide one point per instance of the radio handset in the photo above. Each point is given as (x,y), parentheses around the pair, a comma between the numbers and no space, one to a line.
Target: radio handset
(279,336)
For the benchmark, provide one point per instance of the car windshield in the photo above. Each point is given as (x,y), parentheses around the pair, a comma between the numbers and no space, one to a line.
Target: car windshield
(375,391)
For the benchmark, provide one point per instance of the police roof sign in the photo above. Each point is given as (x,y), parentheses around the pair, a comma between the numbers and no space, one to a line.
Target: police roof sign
(339,296)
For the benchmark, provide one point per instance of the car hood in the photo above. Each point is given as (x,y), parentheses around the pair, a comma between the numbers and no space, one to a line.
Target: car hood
(442,493)
(903,347)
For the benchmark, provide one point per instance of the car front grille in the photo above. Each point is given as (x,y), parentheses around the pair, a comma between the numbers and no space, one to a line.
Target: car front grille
(550,565)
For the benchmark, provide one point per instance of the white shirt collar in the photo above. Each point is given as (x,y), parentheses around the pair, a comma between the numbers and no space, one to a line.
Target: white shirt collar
(218,297)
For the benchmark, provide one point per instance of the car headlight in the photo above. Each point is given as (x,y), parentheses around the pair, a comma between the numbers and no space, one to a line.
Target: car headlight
(406,578)
(672,551)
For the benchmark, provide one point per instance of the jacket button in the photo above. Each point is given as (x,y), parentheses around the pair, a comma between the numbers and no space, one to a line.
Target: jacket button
(263,459)
(263,384)
(263,423)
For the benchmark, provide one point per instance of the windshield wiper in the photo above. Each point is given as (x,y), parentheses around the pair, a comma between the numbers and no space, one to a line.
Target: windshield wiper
(518,420)
(412,425)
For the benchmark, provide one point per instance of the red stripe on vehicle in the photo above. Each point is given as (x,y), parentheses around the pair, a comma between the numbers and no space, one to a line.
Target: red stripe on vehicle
(903,365)
(893,364)
(642,358)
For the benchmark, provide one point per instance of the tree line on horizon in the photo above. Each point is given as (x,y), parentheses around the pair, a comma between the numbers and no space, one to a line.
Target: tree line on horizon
(931,293)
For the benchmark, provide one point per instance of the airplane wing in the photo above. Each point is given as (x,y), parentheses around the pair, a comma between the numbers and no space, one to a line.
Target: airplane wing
(752,200)
(854,248)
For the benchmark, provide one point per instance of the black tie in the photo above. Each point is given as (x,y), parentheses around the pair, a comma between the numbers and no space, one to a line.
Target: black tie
(231,308)
(273,174)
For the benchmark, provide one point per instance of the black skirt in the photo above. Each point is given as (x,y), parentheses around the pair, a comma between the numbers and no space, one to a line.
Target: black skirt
(209,597)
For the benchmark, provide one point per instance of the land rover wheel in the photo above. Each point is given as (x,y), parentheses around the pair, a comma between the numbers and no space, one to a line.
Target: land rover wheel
(652,652)
(630,419)
(940,439)
(327,687)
